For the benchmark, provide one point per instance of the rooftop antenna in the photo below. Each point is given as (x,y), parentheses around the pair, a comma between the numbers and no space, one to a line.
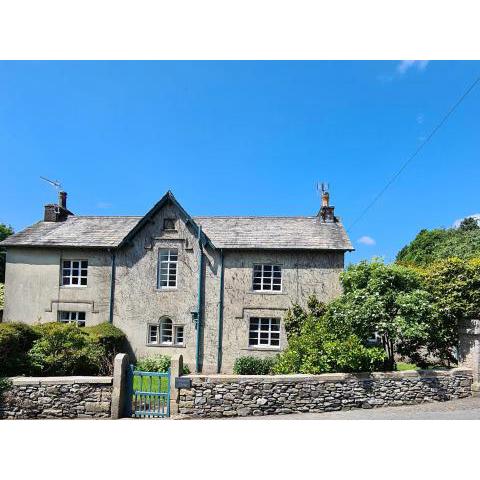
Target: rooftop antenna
(53,183)
(322,187)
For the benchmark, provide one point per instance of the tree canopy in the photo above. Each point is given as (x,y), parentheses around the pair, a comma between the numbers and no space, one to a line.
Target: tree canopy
(433,245)
(5,231)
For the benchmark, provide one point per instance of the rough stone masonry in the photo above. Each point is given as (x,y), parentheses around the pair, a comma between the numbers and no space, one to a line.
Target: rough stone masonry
(57,397)
(228,396)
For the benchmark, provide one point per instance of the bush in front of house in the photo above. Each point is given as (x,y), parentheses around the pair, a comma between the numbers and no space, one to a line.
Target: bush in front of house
(158,363)
(65,349)
(253,365)
(315,346)
(111,339)
(16,339)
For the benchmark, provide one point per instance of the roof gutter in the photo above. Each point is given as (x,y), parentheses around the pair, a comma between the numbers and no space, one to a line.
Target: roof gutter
(112,285)
(220,316)
(199,300)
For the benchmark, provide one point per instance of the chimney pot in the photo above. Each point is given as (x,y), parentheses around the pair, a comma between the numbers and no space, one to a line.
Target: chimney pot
(325,199)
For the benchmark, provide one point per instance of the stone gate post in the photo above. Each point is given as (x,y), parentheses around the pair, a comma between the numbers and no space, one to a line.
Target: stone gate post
(469,350)
(120,365)
(176,370)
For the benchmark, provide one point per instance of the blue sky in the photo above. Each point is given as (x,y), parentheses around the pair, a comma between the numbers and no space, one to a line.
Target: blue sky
(243,138)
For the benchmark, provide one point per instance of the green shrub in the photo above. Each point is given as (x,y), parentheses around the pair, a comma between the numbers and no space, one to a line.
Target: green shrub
(159,363)
(186,369)
(253,365)
(319,348)
(65,349)
(15,341)
(113,341)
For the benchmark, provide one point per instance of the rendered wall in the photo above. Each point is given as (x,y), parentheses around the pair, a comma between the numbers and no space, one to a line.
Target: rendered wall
(33,291)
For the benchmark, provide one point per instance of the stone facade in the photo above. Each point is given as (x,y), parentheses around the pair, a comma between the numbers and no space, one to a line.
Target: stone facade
(57,397)
(311,259)
(34,274)
(229,396)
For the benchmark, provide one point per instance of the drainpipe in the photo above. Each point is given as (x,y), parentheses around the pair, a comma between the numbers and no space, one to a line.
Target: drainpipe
(199,305)
(220,317)
(112,286)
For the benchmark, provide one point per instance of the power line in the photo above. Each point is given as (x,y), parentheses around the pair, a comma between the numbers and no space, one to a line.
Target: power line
(415,153)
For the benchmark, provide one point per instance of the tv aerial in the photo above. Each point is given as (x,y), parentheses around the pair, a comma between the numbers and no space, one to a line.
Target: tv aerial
(322,187)
(54,183)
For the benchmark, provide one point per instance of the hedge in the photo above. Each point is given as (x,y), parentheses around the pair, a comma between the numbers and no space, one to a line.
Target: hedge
(16,339)
(58,349)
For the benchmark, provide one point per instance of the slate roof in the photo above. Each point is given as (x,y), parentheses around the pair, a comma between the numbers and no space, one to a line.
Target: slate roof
(274,233)
(99,232)
(224,232)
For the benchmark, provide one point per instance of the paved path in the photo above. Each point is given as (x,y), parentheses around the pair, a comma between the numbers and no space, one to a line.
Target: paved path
(463,409)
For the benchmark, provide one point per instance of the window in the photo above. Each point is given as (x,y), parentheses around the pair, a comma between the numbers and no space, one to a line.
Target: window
(167,268)
(72,317)
(153,334)
(264,332)
(165,333)
(267,278)
(179,335)
(166,329)
(74,273)
(169,224)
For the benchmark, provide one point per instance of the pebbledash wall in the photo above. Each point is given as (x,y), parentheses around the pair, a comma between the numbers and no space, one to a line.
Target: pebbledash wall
(57,397)
(229,396)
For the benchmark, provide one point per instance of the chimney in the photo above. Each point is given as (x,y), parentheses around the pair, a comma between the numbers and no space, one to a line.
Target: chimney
(62,200)
(326,213)
(57,213)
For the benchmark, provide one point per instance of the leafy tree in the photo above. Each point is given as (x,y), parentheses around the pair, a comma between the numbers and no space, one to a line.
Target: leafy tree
(386,300)
(5,231)
(454,288)
(434,245)
(2,295)
(469,223)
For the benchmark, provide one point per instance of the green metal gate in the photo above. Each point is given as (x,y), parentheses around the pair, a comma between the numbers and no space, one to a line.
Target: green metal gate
(148,394)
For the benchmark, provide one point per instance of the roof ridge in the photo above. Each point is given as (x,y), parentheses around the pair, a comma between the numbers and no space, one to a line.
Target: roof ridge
(254,216)
(105,216)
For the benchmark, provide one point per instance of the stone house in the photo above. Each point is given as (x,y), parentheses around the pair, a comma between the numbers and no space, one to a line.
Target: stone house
(210,288)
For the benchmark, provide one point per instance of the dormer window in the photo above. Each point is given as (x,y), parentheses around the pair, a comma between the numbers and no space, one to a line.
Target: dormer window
(169,224)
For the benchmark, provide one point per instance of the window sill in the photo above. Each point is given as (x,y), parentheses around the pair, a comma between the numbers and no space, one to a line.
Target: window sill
(263,349)
(166,289)
(159,345)
(266,292)
(73,286)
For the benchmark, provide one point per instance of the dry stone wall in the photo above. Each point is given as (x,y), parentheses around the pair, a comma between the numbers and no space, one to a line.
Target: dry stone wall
(57,397)
(229,396)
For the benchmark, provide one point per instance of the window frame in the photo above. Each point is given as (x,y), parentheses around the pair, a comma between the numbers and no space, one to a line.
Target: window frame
(168,263)
(258,331)
(177,330)
(262,278)
(75,320)
(80,276)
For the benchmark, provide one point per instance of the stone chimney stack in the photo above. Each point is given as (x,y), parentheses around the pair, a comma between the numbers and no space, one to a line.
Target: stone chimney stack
(326,213)
(57,213)
(62,200)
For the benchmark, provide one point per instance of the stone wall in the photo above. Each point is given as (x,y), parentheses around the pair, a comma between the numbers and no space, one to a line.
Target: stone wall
(235,395)
(57,397)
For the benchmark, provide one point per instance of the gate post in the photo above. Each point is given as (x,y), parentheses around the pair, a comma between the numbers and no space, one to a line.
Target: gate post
(469,350)
(120,365)
(176,370)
